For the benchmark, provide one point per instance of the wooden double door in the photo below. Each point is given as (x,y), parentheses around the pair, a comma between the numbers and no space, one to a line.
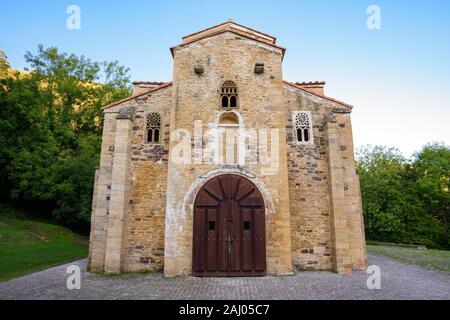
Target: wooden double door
(229,229)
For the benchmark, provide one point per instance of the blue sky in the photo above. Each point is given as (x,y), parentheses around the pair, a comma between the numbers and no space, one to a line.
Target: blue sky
(398,77)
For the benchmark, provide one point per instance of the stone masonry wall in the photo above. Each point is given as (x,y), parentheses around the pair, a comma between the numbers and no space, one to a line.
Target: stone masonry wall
(100,208)
(144,244)
(120,188)
(227,57)
(143,227)
(355,223)
(313,204)
(313,230)
(308,188)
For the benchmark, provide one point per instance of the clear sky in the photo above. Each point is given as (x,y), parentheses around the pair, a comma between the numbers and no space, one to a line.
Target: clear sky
(398,77)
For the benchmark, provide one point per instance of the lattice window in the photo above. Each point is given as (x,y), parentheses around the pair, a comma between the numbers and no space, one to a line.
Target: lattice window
(229,95)
(153,127)
(303,126)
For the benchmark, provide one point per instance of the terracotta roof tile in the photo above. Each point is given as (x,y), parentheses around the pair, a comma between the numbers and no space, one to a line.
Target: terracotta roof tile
(235,31)
(230,21)
(164,85)
(310,83)
(149,82)
(320,95)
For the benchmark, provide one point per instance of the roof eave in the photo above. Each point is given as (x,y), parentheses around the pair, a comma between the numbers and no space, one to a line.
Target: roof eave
(231,22)
(283,50)
(165,85)
(349,106)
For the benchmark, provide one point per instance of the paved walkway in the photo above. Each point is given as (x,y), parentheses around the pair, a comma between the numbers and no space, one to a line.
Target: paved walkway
(398,281)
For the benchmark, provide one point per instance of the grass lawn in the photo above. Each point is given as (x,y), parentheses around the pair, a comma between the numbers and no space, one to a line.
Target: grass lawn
(429,259)
(27,246)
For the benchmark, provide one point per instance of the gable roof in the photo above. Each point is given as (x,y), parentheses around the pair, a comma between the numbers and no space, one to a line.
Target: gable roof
(310,83)
(162,86)
(232,27)
(168,84)
(153,83)
(297,86)
(230,24)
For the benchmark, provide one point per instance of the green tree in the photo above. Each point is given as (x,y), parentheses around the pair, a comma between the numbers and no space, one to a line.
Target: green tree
(4,65)
(394,211)
(433,168)
(50,130)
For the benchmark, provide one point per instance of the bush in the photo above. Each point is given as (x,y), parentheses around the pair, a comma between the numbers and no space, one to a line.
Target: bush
(50,131)
(406,201)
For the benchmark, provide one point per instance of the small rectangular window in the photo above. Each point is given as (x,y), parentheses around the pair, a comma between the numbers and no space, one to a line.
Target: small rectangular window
(246,225)
(212,225)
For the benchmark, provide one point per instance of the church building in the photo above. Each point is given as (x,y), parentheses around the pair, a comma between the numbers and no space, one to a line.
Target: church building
(227,170)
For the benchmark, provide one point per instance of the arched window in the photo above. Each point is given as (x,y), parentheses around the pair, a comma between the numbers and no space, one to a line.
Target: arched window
(153,128)
(228,95)
(229,119)
(230,141)
(303,126)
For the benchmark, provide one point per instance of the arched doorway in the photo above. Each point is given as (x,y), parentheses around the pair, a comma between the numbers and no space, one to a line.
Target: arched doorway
(229,228)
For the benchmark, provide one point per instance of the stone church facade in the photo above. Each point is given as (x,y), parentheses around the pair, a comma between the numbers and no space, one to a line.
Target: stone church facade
(257,212)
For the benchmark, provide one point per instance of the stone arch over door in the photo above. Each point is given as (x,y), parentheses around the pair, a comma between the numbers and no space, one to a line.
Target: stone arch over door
(187,207)
(229,228)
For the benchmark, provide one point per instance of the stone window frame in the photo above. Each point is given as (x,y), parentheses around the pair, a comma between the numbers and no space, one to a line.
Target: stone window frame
(226,126)
(216,125)
(146,128)
(229,94)
(310,127)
